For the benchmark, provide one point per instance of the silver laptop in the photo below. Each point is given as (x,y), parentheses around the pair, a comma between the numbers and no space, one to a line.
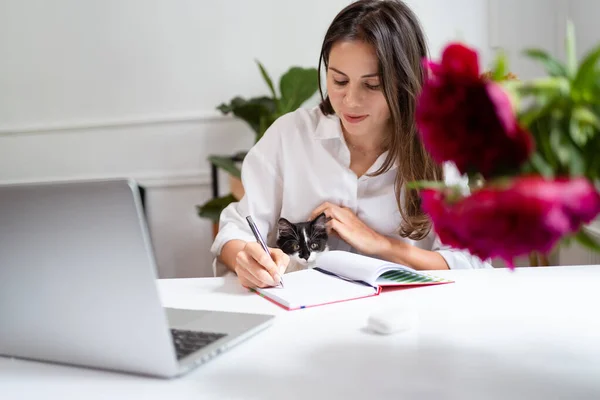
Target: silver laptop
(78,285)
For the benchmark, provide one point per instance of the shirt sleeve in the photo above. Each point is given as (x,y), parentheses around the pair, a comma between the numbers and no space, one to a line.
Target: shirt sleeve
(457,258)
(261,178)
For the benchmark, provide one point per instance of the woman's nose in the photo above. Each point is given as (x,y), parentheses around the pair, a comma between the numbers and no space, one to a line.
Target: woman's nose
(352,97)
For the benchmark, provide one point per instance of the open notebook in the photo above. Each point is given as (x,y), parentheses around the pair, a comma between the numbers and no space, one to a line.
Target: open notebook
(340,276)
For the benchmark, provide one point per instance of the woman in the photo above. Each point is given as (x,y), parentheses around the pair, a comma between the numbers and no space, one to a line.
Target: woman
(349,158)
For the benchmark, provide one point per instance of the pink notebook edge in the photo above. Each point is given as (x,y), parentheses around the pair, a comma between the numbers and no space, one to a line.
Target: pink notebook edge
(379,289)
(417,284)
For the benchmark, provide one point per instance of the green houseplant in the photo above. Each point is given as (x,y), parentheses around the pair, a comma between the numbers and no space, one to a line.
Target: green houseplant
(296,86)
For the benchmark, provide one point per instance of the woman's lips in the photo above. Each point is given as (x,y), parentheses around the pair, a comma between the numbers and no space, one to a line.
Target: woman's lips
(354,119)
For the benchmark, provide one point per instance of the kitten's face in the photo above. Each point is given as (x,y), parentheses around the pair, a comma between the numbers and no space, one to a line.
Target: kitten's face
(303,240)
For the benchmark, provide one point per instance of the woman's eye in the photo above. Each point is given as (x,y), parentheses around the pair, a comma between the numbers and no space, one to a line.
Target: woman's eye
(373,87)
(340,83)
(296,247)
(314,246)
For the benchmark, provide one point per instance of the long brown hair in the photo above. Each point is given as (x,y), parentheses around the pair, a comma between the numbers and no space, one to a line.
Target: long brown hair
(397,37)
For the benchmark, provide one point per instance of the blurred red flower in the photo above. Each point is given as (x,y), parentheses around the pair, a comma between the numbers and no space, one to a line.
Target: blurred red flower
(531,214)
(467,119)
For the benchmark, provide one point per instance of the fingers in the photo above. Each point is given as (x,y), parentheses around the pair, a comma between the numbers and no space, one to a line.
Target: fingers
(255,250)
(255,268)
(251,273)
(319,210)
(336,227)
(338,213)
(247,280)
(331,232)
(330,210)
(258,254)
(281,259)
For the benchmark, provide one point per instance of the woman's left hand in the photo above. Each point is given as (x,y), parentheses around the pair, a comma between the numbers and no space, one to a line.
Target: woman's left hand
(351,229)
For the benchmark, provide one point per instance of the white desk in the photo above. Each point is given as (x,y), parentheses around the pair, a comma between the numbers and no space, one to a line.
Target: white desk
(532,334)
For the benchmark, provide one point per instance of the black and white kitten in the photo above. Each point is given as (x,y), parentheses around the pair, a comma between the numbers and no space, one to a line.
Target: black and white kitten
(303,241)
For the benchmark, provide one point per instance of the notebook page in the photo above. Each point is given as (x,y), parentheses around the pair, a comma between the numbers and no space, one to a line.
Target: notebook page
(407,278)
(310,288)
(354,266)
(372,270)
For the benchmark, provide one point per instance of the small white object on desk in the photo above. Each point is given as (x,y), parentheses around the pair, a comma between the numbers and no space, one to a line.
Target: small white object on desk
(386,321)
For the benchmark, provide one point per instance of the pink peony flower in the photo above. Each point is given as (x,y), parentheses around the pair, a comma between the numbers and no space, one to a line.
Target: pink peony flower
(469,120)
(532,214)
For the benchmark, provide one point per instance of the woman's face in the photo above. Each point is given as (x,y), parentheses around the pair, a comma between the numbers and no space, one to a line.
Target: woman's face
(355,90)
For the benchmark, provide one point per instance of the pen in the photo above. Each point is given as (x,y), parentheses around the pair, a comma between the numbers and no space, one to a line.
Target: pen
(260,240)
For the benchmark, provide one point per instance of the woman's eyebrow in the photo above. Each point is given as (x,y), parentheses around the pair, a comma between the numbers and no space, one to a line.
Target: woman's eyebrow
(375,74)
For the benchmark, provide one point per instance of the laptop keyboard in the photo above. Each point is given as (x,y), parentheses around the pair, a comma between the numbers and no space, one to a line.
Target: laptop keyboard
(187,342)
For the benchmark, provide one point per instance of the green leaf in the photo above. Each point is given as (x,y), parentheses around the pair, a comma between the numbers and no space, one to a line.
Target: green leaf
(250,110)
(577,133)
(586,240)
(571,50)
(239,156)
(541,165)
(225,108)
(576,162)
(591,154)
(453,193)
(574,159)
(267,79)
(535,113)
(540,129)
(227,164)
(500,68)
(426,185)
(557,141)
(583,125)
(297,85)
(265,122)
(586,116)
(264,125)
(213,208)
(548,87)
(588,74)
(552,65)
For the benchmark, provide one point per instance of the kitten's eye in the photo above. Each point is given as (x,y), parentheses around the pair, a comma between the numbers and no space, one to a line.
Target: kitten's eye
(296,247)
(314,246)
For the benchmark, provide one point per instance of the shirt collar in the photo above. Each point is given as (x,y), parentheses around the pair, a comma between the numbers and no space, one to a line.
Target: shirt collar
(328,127)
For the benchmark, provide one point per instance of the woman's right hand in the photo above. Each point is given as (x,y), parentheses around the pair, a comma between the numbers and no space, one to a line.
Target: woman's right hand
(255,268)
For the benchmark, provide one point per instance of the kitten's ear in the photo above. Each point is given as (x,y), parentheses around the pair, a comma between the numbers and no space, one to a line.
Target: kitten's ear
(320,222)
(284,226)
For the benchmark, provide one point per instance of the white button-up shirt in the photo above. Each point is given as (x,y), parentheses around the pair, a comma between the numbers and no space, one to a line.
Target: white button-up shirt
(303,161)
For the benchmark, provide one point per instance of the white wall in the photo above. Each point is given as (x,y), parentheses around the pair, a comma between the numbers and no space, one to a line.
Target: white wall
(516,25)
(585,15)
(129,88)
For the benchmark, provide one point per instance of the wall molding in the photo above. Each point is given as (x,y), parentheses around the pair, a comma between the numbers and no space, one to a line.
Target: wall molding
(151,180)
(197,117)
